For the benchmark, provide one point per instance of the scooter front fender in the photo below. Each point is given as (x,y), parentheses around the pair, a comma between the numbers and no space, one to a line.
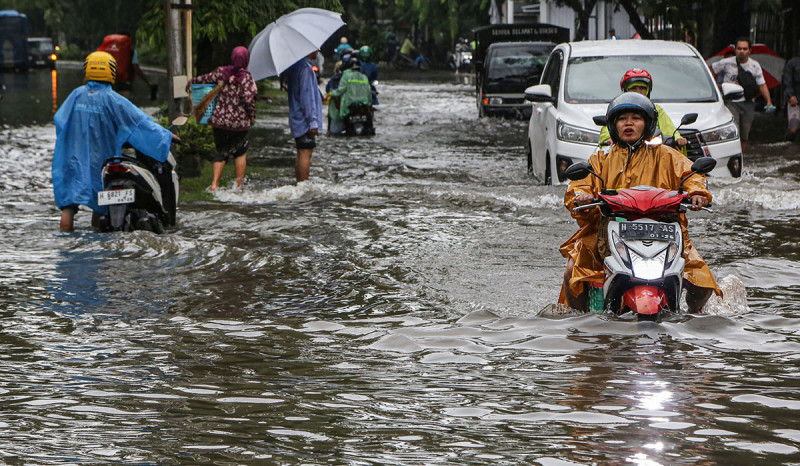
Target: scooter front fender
(645,299)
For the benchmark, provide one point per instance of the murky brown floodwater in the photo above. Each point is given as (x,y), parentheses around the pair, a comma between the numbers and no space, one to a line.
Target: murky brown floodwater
(387,312)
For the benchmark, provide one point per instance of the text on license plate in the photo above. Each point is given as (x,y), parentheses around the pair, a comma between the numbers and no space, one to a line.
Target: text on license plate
(641,230)
(118,196)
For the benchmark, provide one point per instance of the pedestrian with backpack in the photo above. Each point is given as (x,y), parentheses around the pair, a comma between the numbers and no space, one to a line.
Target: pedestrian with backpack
(745,71)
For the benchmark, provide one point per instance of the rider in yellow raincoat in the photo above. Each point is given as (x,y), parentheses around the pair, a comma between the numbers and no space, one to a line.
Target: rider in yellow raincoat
(627,163)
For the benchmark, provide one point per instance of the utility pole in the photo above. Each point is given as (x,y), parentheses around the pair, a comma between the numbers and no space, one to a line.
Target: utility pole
(175,55)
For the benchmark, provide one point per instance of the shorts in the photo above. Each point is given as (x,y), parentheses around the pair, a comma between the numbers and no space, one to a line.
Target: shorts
(229,144)
(306,141)
(793,115)
(743,114)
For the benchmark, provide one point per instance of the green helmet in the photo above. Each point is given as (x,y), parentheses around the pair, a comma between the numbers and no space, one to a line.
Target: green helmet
(365,53)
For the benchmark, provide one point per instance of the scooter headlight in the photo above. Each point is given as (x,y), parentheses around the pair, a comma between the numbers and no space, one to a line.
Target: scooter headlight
(648,268)
(622,250)
(672,253)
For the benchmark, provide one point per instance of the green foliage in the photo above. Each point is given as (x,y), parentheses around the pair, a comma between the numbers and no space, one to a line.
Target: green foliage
(216,20)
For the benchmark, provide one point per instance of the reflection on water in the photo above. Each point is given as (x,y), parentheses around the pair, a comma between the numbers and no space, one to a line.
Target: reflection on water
(34,97)
(387,311)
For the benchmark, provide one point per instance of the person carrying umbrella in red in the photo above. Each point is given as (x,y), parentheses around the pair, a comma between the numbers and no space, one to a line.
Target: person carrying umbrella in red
(746,72)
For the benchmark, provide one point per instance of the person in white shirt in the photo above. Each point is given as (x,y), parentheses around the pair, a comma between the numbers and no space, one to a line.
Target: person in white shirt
(728,70)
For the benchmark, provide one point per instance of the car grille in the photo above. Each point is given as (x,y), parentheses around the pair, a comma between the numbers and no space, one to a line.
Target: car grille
(695,144)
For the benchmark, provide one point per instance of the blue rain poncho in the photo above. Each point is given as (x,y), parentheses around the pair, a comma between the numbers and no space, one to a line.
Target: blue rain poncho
(91,126)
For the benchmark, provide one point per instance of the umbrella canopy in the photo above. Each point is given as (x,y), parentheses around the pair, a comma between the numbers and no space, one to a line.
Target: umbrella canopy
(290,38)
(771,63)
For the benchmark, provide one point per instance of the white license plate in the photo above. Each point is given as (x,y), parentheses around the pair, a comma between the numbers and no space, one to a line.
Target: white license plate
(118,196)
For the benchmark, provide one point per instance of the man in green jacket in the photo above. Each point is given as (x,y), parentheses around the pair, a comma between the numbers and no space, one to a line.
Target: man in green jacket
(353,88)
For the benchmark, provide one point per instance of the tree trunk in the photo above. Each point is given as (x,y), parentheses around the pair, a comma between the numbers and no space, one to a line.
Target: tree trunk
(584,13)
(634,19)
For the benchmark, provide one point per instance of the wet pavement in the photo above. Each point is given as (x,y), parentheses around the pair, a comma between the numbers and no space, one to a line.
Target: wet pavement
(397,309)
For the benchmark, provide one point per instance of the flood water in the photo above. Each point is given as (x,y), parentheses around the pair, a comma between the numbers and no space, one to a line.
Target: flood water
(397,309)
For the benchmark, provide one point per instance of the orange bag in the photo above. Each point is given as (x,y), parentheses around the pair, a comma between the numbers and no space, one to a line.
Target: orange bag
(119,46)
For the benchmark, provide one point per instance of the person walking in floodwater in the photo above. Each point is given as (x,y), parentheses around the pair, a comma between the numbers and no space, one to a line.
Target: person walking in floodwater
(233,115)
(305,112)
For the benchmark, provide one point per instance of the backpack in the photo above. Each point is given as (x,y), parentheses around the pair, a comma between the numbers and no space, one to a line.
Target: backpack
(119,46)
(748,82)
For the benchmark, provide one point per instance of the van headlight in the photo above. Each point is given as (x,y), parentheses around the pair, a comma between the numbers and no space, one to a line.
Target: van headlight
(570,133)
(721,134)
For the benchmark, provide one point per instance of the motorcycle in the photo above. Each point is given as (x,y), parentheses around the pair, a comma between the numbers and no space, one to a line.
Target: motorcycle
(461,59)
(359,122)
(140,192)
(644,262)
(406,62)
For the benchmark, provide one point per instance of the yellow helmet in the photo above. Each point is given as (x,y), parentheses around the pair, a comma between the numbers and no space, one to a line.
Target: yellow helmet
(100,66)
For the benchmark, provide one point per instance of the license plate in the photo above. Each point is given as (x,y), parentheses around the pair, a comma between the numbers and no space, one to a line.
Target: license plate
(359,119)
(117,196)
(653,231)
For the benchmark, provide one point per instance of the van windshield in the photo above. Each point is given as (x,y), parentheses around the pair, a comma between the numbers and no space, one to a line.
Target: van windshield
(675,79)
(40,45)
(516,61)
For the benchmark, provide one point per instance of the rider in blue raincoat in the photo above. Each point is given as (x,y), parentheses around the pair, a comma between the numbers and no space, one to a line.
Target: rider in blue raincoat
(91,126)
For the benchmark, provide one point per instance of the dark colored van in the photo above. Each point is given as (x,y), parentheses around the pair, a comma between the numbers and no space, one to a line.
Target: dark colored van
(508,59)
(509,69)
(41,53)
(13,40)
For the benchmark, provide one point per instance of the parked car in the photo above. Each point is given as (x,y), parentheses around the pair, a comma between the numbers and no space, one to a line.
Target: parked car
(579,80)
(41,53)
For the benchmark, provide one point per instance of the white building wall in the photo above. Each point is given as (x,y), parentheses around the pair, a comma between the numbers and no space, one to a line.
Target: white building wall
(603,18)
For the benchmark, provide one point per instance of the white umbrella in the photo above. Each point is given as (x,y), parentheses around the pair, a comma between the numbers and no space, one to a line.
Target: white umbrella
(290,38)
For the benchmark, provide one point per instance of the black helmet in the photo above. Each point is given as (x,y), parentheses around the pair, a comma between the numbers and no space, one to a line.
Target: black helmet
(352,63)
(632,102)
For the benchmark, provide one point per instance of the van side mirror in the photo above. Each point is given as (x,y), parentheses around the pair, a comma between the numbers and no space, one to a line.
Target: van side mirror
(539,93)
(732,91)
(689,118)
(600,120)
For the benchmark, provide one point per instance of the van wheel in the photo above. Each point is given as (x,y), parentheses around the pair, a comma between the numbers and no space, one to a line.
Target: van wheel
(548,172)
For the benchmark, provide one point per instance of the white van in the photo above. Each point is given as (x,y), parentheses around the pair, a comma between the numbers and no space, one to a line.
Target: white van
(581,78)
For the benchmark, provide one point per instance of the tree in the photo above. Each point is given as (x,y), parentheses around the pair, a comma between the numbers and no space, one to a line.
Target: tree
(583,11)
(220,25)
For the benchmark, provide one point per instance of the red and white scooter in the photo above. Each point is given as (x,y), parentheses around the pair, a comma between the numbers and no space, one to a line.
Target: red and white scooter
(644,270)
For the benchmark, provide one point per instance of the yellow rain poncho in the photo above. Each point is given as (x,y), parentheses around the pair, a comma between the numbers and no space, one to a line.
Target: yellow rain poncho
(658,166)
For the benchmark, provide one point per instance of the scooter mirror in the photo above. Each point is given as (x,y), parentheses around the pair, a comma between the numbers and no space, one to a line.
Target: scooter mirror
(600,120)
(179,121)
(704,165)
(688,119)
(578,171)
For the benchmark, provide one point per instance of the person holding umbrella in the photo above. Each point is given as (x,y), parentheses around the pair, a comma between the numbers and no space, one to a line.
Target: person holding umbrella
(305,112)
(286,48)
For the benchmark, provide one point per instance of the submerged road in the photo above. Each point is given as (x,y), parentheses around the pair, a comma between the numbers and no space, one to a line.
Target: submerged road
(396,309)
